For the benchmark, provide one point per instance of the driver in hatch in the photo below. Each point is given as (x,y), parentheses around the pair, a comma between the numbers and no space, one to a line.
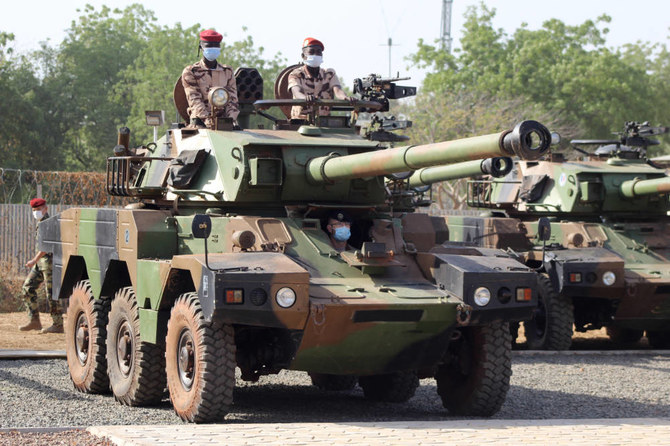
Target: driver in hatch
(309,81)
(339,230)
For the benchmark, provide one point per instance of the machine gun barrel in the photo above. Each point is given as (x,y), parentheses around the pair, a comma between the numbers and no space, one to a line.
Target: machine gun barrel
(528,140)
(637,187)
(496,167)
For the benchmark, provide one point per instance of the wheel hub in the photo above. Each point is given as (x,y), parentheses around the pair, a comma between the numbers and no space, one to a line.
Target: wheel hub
(125,348)
(186,360)
(81,339)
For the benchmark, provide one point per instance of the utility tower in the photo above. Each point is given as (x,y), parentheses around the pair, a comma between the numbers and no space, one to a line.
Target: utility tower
(445,26)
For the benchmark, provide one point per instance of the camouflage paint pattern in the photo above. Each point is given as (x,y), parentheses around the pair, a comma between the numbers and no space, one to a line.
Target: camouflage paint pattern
(353,314)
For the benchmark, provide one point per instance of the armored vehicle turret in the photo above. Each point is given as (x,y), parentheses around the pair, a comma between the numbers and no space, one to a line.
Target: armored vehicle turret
(227,258)
(615,202)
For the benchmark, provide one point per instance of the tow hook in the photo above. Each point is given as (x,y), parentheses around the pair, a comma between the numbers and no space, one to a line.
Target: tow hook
(463,314)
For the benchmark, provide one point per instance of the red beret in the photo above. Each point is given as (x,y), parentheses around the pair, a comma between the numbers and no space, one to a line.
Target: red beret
(209,35)
(37,202)
(311,41)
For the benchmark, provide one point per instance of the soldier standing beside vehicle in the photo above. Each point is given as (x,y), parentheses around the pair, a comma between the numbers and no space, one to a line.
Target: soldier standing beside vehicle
(310,81)
(198,79)
(40,271)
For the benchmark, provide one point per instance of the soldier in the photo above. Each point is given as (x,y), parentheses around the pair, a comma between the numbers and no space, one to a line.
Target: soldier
(40,271)
(311,82)
(198,79)
(339,230)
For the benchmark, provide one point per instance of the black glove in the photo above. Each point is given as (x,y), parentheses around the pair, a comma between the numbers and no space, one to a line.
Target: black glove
(198,123)
(309,97)
(236,126)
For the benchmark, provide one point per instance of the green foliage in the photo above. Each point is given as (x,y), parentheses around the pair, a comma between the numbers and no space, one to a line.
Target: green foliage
(62,104)
(564,69)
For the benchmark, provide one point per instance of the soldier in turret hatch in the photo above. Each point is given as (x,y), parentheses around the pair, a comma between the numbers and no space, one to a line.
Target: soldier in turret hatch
(198,79)
(310,81)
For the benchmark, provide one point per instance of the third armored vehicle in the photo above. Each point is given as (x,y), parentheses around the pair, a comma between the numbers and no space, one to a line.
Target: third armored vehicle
(223,262)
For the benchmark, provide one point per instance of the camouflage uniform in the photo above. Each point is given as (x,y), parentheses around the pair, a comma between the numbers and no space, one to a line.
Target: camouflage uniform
(198,80)
(321,87)
(41,272)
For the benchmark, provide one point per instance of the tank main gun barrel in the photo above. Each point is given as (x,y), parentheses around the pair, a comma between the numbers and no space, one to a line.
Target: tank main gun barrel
(637,187)
(528,140)
(496,167)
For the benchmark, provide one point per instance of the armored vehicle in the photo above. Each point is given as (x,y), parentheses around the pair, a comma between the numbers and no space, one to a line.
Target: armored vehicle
(223,262)
(606,263)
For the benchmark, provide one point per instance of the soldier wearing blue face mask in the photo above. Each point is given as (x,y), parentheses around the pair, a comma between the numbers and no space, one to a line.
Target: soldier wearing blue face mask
(198,79)
(339,229)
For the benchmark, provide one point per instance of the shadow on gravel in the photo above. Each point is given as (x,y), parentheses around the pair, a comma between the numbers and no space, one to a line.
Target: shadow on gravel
(36,386)
(525,403)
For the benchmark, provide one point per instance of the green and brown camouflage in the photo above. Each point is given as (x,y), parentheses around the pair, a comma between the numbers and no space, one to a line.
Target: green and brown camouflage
(614,201)
(265,290)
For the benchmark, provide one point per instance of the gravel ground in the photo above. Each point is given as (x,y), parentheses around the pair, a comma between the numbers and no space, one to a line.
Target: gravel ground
(38,393)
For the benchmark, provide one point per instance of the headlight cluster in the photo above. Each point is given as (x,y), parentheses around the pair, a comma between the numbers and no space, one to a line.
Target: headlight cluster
(482,295)
(608,278)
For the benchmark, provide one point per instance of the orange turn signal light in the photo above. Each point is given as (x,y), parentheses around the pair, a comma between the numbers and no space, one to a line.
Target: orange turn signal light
(524,294)
(234,296)
(575,277)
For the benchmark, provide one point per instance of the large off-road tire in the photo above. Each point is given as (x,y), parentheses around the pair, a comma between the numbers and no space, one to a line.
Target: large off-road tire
(620,335)
(552,322)
(474,379)
(85,339)
(395,387)
(333,383)
(659,339)
(136,368)
(199,363)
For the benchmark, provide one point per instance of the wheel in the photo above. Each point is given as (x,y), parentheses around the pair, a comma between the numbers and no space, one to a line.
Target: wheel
(620,335)
(199,363)
(551,325)
(136,368)
(474,379)
(659,339)
(333,383)
(395,387)
(85,335)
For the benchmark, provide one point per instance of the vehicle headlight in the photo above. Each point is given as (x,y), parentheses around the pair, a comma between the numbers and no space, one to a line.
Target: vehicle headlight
(482,296)
(285,297)
(609,278)
(219,97)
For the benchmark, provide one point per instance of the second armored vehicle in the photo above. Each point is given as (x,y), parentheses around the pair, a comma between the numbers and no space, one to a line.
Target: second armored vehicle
(607,263)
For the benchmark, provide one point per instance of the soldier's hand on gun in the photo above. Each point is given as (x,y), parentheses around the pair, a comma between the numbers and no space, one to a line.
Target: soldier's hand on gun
(309,97)
(352,100)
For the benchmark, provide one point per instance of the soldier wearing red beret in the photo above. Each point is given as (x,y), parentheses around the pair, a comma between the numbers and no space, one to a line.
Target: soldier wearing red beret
(311,82)
(40,271)
(198,79)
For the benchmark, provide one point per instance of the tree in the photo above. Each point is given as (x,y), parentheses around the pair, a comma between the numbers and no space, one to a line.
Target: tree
(565,69)
(23,139)
(98,48)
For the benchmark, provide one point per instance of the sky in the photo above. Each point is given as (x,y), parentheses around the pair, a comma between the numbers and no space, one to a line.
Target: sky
(355,33)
